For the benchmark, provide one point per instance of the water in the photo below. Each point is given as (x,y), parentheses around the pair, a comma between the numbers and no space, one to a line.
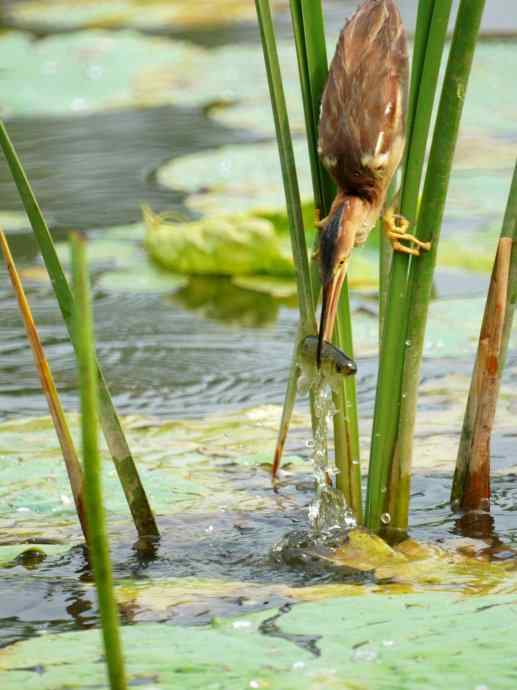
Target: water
(329,516)
(208,349)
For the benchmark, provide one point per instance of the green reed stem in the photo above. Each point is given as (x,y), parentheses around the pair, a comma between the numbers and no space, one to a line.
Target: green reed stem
(112,428)
(430,39)
(289,177)
(464,458)
(98,539)
(430,220)
(309,33)
(72,464)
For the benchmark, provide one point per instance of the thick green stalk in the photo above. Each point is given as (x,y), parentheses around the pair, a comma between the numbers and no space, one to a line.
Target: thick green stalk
(420,42)
(287,162)
(119,448)
(98,540)
(430,219)
(72,464)
(389,383)
(464,458)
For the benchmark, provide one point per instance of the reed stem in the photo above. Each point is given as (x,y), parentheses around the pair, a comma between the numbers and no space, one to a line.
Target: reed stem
(112,428)
(287,162)
(471,485)
(72,464)
(430,36)
(309,32)
(98,541)
(434,195)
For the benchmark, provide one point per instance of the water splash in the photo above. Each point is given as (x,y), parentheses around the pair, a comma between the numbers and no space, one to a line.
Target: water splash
(329,515)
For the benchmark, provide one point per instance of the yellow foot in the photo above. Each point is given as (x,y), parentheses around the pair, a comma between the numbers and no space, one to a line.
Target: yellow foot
(395,227)
(320,223)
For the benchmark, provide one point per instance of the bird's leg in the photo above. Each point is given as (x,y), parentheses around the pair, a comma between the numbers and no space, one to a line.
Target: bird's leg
(395,227)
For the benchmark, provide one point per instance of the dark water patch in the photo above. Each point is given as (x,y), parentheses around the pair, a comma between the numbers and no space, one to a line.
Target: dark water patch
(271,628)
(96,171)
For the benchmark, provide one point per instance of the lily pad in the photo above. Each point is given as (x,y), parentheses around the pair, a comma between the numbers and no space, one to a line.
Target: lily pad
(82,72)
(224,245)
(408,642)
(236,178)
(121,265)
(56,14)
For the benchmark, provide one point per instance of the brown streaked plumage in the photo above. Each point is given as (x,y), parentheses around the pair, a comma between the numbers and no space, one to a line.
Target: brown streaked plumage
(361,137)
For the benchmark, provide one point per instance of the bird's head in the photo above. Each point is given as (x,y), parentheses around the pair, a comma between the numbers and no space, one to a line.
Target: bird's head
(337,240)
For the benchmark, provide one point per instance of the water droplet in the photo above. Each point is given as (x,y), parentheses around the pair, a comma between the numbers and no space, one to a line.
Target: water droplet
(310,443)
(254,684)
(355,462)
(385,518)
(298,665)
(388,643)
(365,654)
(241,625)
(408,343)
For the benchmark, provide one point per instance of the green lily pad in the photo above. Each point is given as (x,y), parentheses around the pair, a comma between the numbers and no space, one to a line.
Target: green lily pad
(223,245)
(83,72)
(146,279)
(122,263)
(236,179)
(407,642)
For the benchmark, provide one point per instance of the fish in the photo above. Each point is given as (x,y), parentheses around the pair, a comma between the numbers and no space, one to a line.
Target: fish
(334,362)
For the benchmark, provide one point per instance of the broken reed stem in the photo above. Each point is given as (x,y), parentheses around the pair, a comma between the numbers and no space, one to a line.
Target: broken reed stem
(309,33)
(72,464)
(383,495)
(98,542)
(510,230)
(112,428)
(471,485)
(430,219)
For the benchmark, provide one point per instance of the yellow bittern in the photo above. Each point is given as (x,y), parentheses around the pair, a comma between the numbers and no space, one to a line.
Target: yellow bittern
(361,142)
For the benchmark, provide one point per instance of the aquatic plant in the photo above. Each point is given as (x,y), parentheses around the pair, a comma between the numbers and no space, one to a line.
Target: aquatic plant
(307,18)
(430,35)
(98,547)
(471,485)
(405,291)
(312,62)
(421,271)
(112,428)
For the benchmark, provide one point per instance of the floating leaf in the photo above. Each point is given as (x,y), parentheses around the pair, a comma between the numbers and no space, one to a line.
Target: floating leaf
(154,15)
(224,245)
(235,178)
(410,642)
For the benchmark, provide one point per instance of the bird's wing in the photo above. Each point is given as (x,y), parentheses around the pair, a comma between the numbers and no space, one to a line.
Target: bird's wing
(362,122)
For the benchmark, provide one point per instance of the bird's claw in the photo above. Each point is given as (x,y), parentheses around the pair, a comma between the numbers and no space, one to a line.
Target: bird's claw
(395,227)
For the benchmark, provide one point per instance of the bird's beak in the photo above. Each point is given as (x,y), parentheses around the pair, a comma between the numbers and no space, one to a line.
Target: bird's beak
(330,301)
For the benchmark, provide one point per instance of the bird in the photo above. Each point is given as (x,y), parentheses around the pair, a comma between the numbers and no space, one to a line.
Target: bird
(361,142)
